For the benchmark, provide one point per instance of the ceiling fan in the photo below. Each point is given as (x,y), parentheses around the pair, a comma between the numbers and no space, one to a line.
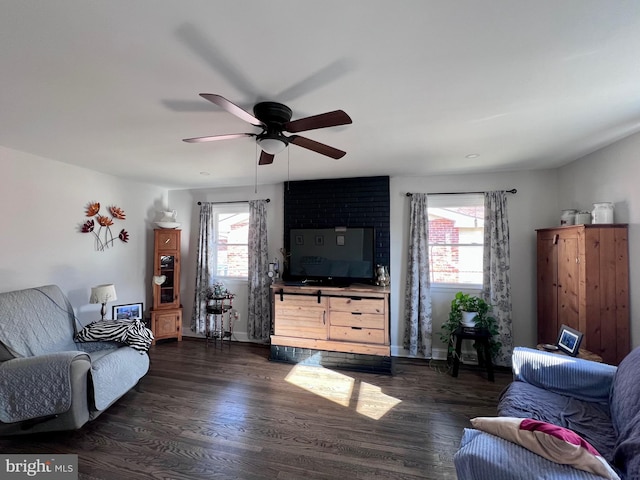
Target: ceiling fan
(275,118)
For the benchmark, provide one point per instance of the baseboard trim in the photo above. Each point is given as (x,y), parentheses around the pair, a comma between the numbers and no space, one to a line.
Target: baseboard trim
(438,353)
(468,355)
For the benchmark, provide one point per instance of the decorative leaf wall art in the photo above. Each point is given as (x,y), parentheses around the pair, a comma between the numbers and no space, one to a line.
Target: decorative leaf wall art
(103,235)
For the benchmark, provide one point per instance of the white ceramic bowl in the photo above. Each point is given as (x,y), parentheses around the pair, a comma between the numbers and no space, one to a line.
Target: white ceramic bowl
(168,224)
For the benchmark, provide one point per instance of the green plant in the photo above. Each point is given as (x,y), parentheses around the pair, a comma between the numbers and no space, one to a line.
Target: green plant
(464,302)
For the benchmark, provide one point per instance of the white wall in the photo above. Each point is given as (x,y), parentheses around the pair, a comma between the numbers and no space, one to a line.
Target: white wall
(534,206)
(185,202)
(42,205)
(611,175)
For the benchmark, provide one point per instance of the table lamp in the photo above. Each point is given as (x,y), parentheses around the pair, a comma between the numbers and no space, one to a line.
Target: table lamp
(103,294)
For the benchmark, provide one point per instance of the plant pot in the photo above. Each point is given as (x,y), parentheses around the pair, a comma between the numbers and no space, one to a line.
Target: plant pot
(469,319)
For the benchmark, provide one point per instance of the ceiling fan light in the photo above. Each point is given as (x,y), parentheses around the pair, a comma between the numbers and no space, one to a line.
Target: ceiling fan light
(272,146)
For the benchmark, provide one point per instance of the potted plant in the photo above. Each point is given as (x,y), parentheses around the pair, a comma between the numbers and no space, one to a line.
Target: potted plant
(479,311)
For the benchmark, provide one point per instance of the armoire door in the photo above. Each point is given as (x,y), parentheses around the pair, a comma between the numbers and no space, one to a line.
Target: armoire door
(547,288)
(568,283)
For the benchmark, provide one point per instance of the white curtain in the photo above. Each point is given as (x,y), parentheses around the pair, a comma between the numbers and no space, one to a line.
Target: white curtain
(259,321)
(496,266)
(418,323)
(204,269)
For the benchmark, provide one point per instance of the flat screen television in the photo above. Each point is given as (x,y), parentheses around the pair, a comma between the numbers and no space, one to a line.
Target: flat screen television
(332,256)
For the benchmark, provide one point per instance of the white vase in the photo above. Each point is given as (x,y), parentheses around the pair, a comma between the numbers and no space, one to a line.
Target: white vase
(469,319)
(602,212)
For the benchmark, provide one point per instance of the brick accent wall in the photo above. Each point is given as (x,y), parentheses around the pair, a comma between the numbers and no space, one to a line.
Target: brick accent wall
(349,202)
(347,361)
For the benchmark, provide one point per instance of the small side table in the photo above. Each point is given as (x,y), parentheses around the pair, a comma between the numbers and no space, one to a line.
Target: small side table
(582,353)
(481,336)
(217,308)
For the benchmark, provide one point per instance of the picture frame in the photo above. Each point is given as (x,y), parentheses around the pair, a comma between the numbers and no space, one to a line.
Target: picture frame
(299,240)
(128,312)
(340,240)
(569,340)
(319,240)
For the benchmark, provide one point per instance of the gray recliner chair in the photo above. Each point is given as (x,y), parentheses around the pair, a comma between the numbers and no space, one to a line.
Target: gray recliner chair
(48,381)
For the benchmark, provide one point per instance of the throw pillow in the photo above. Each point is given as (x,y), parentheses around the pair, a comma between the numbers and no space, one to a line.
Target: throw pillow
(558,444)
(132,333)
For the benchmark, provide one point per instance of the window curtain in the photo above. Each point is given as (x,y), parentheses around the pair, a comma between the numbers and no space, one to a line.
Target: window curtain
(204,269)
(418,324)
(496,265)
(259,321)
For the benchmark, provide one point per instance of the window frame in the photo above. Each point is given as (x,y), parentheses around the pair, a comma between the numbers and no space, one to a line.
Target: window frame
(440,201)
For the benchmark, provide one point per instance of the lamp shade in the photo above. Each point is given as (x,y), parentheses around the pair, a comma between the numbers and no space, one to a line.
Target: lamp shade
(103,294)
(271,145)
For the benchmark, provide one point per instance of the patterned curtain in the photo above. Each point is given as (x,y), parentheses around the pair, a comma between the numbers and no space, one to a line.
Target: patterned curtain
(417,334)
(204,269)
(259,321)
(496,265)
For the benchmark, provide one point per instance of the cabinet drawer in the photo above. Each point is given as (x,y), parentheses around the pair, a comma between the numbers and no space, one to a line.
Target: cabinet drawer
(356,334)
(363,320)
(357,304)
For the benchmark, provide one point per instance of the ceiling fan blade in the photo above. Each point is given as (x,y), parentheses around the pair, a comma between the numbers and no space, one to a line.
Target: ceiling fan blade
(265,158)
(215,57)
(233,109)
(329,119)
(217,137)
(316,146)
(316,80)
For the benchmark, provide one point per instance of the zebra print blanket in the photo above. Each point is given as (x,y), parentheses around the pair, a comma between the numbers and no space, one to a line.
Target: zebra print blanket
(132,333)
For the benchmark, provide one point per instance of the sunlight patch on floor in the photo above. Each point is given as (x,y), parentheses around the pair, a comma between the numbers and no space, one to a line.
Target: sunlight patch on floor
(373,403)
(321,381)
(365,398)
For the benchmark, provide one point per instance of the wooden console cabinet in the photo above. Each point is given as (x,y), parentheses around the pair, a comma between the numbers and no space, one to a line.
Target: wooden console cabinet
(351,319)
(166,314)
(583,282)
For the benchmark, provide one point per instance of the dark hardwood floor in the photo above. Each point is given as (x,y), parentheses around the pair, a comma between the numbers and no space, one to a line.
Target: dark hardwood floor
(206,412)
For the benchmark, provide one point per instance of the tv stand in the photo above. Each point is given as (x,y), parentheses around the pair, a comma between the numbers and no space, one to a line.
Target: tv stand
(353,319)
(328,282)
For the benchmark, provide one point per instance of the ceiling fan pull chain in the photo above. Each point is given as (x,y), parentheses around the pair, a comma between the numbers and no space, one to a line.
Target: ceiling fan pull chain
(288,166)
(255,162)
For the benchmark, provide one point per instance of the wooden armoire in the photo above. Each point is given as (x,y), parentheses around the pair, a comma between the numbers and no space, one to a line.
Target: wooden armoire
(583,282)
(166,314)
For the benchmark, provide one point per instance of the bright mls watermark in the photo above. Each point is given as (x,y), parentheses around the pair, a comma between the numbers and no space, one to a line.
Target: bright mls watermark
(44,466)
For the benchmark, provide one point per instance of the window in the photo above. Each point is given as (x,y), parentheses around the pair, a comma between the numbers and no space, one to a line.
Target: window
(456,238)
(231,238)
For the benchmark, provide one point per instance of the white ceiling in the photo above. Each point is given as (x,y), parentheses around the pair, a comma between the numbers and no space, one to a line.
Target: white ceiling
(113,85)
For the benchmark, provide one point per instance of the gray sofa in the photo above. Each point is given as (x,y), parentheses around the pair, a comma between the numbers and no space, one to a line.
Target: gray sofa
(48,381)
(599,402)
